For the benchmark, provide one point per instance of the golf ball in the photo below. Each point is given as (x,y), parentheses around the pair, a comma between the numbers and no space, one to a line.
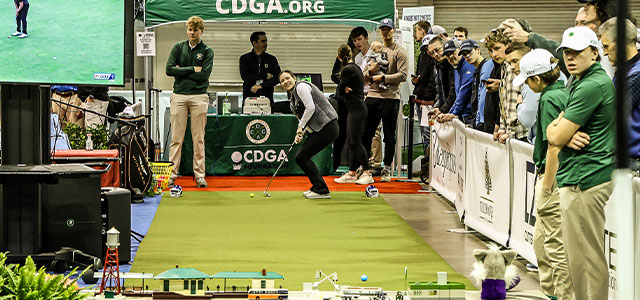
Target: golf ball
(364,277)
(8,36)
(251,195)
(54,57)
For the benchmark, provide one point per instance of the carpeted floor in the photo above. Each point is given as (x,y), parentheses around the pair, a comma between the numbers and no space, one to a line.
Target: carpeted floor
(257,184)
(288,234)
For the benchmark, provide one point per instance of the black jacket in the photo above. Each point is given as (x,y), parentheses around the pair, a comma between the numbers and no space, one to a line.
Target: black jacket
(251,72)
(446,85)
(492,102)
(352,77)
(425,89)
(335,77)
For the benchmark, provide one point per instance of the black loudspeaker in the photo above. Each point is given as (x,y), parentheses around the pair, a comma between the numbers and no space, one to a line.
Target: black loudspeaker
(116,212)
(71,214)
(129,40)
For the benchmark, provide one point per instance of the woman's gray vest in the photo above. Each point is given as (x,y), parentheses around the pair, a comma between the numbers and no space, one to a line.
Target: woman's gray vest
(324,111)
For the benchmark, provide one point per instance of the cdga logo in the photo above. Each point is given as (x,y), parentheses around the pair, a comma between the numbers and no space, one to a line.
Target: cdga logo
(257,156)
(258,131)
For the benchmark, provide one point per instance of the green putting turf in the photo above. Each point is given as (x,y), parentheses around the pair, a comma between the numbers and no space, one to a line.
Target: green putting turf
(288,234)
(68,42)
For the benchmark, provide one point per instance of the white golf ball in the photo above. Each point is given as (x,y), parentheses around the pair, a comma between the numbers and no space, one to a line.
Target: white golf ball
(54,57)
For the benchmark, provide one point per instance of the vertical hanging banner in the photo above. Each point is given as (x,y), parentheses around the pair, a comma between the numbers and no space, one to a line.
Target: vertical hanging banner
(487,196)
(443,161)
(159,12)
(523,214)
(460,151)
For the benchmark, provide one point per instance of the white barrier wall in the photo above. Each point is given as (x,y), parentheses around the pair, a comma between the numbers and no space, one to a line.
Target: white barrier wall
(523,215)
(487,192)
(461,165)
(443,161)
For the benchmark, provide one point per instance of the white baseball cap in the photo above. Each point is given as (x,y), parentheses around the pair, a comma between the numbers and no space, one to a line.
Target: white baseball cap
(426,39)
(578,38)
(536,62)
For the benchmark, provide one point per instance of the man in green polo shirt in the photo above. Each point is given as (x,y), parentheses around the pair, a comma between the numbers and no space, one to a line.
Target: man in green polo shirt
(584,176)
(190,63)
(540,70)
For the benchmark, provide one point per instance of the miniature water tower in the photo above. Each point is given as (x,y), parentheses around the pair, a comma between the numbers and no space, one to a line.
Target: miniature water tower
(111,271)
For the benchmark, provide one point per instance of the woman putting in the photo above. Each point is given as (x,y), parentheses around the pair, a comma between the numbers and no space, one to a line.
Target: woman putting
(351,88)
(319,119)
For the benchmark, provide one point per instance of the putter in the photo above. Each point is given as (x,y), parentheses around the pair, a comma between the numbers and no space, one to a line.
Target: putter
(266,194)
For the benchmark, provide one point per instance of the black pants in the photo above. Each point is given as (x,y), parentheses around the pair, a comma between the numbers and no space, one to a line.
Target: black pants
(387,111)
(338,145)
(22,18)
(315,143)
(355,129)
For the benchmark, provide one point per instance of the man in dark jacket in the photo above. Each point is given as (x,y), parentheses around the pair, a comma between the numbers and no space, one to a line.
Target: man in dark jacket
(444,77)
(259,70)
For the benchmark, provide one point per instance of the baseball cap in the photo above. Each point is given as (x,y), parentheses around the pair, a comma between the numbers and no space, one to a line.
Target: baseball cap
(468,45)
(437,29)
(578,38)
(536,62)
(426,39)
(387,23)
(451,46)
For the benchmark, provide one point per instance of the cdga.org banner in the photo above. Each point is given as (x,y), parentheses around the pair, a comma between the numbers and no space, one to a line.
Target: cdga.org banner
(166,11)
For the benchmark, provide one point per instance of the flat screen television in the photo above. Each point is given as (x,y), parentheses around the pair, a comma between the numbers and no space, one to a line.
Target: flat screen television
(314,78)
(67,42)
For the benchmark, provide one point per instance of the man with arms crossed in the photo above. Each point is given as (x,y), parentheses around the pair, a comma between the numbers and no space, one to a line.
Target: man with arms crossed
(584,176)
(190,63)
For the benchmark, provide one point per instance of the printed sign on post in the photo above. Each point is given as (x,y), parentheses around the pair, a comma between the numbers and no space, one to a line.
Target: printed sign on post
(146,44)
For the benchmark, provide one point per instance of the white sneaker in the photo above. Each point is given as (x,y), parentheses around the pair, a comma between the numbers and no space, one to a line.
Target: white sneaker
(346,178)
(385,176)
(365,178)
(201,182)
(305,193)
(23,35)
(314,195)
(17,33)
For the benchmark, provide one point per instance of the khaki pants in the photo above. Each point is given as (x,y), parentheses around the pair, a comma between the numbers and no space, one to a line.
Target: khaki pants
(376,149)
(548,246)
(181,106)
(583,235)
(99,106)
(67,113)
